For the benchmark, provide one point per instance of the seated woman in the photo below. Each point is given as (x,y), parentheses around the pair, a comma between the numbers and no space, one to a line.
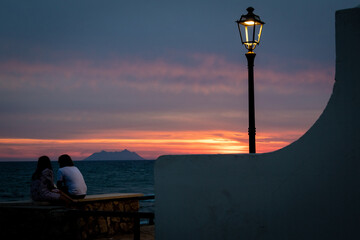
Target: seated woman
(42,183)
(70,180)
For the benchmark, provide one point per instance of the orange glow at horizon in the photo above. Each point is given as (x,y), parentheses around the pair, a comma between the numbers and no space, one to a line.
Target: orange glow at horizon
(165,143)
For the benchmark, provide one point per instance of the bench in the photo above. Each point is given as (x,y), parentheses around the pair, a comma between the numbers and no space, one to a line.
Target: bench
(93,216)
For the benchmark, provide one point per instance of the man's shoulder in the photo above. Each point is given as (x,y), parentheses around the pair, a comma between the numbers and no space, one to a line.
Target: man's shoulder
(68,169)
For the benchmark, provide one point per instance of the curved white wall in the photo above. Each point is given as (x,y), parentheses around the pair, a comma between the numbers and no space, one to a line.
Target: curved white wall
(307,190)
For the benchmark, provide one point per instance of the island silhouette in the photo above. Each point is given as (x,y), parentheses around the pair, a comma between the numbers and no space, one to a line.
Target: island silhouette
(122,155)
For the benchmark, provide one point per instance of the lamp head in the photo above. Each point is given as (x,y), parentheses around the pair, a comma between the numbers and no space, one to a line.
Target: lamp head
(250,28)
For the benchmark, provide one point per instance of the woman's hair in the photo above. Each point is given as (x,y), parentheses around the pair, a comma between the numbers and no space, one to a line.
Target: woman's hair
(42,164)
(65,161)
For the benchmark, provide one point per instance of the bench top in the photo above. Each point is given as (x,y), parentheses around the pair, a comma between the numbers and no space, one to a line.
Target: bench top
(108,196)
(88,198)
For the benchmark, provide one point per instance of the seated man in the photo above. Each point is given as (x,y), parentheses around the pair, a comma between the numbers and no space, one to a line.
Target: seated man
(70,180)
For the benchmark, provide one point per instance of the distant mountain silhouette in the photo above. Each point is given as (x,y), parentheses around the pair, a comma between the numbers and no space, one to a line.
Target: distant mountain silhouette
(123,155)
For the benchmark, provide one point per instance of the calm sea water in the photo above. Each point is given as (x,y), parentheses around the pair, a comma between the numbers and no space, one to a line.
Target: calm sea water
(100,177)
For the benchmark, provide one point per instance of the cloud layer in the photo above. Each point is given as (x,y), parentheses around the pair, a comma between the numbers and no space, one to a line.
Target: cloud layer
(158,77)
(84,102)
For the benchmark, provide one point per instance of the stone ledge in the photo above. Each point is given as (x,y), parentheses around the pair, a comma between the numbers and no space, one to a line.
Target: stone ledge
(28,218)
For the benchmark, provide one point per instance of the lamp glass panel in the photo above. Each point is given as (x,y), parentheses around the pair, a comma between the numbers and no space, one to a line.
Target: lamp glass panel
(259,34)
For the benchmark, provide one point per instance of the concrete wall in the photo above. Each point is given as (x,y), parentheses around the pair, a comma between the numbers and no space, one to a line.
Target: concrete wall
(307,190)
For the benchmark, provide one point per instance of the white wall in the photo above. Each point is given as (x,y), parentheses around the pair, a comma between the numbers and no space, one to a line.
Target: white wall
(307,190)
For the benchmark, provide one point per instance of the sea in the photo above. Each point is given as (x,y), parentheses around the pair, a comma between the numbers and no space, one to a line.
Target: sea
(101,177)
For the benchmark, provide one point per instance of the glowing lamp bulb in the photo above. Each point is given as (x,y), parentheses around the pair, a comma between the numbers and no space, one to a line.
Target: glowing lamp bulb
(249,23)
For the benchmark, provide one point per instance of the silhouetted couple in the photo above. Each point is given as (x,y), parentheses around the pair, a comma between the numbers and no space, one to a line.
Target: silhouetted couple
(70,181)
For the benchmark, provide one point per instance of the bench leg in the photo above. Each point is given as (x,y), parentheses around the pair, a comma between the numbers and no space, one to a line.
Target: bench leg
(136,228)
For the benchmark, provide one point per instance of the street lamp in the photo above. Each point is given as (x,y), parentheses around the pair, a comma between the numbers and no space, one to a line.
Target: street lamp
(250,28)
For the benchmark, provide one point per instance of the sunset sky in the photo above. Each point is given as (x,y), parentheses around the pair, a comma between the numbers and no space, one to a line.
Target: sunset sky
(159,77)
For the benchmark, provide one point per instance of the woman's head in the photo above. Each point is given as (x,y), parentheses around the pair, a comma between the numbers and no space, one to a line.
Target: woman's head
(42,164)
(65,161)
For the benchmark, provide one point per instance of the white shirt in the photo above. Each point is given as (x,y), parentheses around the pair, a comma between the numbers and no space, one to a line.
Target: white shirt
(73,179)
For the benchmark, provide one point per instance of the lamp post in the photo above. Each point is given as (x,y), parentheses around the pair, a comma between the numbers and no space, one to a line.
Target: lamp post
(250,28)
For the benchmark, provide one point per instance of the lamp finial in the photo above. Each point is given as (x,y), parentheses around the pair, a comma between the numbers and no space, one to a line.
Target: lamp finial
(250,9)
